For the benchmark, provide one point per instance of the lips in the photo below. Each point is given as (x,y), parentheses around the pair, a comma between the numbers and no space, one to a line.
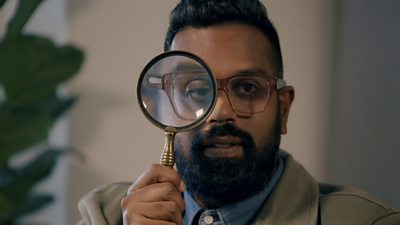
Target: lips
(224,147)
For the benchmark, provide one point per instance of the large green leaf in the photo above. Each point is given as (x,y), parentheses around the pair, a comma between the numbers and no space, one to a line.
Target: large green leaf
(45,67)
(28,205)
(15,197)
(56,106)
(24,11)
(31,70)
(26,177)
(2,3)
(21,128)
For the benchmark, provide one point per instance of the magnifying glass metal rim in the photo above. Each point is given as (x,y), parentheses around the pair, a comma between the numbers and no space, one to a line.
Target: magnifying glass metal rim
(157,59)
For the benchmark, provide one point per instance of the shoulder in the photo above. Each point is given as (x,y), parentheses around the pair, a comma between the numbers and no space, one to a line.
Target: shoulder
(109,190)
(346,205)
(103,204)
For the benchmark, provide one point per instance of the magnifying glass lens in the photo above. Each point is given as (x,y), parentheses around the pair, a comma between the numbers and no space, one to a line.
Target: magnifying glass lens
(191,94)
(176,90)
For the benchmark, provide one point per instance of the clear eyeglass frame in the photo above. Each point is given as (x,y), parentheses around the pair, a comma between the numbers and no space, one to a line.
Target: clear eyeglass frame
(270,84)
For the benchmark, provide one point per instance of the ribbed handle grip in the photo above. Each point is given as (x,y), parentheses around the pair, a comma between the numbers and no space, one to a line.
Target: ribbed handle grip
(167,156)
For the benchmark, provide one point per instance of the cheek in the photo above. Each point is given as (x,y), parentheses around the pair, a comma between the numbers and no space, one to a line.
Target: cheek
(261,127)
(263,137)
(258,132)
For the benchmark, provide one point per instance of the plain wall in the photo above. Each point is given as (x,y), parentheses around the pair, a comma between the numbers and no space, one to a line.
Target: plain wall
(364,150)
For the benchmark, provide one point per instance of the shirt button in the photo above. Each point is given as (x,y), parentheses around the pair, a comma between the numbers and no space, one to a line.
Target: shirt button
(208,219)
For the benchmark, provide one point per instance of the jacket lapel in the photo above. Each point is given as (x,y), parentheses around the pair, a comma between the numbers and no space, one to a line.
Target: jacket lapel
(294,200)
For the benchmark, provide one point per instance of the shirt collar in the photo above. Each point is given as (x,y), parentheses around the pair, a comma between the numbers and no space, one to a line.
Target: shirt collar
(191,208)
(237,213)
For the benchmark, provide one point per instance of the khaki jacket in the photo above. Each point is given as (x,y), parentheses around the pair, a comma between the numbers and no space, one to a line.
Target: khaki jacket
(296,200)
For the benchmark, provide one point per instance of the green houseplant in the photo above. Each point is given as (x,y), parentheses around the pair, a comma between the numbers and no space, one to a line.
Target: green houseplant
(31,70)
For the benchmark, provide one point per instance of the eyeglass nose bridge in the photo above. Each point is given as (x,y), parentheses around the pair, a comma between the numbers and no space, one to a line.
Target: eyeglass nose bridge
(222,85)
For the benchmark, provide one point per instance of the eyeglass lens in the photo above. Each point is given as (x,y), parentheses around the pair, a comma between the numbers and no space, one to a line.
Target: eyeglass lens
(248,94)
(192,93)
(193,90)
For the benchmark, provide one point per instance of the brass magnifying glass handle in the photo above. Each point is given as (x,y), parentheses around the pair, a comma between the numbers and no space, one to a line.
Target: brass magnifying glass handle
(161,96)
(167,156)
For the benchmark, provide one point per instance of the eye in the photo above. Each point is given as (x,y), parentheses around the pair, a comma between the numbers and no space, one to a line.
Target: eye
(246,87)
(198,90)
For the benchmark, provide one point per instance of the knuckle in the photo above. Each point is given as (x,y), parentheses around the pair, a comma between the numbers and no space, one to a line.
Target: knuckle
(176,177)
(137,220)
(168,188)
(171,208)
(124,202)
(154,168)
(168,208)
(134,219)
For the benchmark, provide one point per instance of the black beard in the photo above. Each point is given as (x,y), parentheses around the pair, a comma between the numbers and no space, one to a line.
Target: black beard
(224,180)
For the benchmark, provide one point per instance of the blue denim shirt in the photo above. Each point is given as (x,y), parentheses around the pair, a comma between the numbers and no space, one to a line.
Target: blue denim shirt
(240,213)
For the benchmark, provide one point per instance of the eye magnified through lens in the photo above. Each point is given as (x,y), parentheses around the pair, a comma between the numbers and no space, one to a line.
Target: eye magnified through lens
(176,92)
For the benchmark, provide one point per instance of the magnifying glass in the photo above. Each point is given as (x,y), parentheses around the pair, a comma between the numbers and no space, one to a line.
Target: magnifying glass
(176,92)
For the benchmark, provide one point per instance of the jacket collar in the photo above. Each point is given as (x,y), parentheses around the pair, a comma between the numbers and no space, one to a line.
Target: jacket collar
(294,199)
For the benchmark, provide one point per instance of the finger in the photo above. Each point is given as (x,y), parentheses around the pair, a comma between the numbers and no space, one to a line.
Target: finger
(155,193)
(182,186)
(138,219)
(157,174)
(155,211)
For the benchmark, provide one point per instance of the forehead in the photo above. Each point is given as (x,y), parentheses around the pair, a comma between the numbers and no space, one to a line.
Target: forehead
(228,48)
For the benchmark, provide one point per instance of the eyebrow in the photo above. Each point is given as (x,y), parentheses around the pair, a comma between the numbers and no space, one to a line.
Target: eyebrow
(188,67)
(252,72)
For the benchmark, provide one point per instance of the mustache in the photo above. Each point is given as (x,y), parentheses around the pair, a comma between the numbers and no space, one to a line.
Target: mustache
(200,139)
(226,129)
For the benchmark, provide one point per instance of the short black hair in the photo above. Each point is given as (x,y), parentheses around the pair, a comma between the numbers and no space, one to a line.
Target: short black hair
(206,13)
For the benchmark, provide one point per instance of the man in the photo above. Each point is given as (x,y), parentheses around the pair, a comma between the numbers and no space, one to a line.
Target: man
(230,169)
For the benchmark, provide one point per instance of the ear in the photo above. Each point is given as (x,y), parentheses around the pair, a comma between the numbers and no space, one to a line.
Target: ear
(286,96)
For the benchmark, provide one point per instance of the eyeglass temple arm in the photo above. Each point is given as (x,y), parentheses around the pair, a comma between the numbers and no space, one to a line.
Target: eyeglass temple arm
(280,83)
(158,81)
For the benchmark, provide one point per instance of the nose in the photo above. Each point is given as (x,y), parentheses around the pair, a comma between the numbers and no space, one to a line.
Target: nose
(223,111)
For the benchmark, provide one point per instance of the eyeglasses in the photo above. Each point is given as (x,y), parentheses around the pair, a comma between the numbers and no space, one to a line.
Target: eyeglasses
(191,91)
(249,94)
